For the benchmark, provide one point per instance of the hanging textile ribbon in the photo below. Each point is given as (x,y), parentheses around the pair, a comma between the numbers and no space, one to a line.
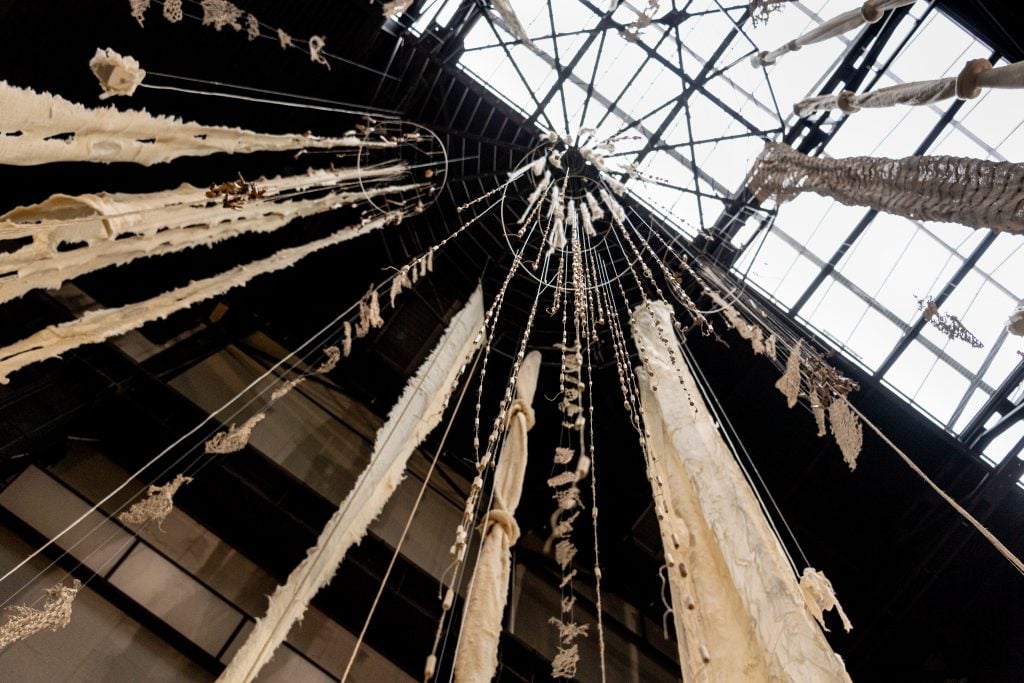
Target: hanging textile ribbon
(738,609)
(102,324)
(968,85)
(112,229)
(40,128)
(476,660)
(418,410)
(871,12)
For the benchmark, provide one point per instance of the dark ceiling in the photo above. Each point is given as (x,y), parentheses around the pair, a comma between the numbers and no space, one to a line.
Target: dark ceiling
(929,599)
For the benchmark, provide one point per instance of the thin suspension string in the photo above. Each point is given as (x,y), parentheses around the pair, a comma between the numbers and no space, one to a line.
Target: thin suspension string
(200,442)
(593,483)
(338,104)
(490,324)
(262,100)
(362,482)
(999,546)
(275,39)
(205,421)
(967,516)
(412,515)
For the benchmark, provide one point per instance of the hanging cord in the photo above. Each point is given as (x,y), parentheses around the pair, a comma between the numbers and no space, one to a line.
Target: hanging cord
(968,517)
(325,103)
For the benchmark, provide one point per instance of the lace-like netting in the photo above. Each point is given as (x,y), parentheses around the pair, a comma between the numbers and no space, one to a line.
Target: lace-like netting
(221,13)
(761,10)
(172,11)
(972,192)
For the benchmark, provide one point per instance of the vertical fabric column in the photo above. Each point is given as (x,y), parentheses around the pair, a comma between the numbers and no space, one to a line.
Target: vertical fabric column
(418,411)
(738,610)
(476,660)
(973,192)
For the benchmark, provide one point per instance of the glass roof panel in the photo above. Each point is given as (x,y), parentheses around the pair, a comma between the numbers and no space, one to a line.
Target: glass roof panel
(638,76)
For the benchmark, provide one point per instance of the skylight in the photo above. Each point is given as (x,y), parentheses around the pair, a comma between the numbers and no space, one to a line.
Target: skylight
(850,275)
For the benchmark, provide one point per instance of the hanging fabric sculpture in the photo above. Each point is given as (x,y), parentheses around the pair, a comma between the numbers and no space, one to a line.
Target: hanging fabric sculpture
(476,659)
(738,609)
(53,615)
(112,229)
(972,192)
(968,85)
(40,128)
(102,324)
(417,412)
(871,12)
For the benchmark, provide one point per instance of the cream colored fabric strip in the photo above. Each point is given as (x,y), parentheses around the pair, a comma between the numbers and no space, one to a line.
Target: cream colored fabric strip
(739,611)
(115,229)
(870,12)
(418,410)
(99,325)
(41,128)
(476,659)
(975,77)
(972,192)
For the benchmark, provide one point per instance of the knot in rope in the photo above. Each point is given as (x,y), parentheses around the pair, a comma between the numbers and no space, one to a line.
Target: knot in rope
(505,520)
(521,407)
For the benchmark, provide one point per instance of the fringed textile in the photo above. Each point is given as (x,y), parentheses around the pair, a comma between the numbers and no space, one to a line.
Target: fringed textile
(99,325)
(820,597)
(739,612)
(419,409)
(40,128)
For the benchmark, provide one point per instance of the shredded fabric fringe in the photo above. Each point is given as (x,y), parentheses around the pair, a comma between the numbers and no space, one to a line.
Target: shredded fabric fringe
(158,504)
(418,410)
(235,438)
(396,8)
(847,430)
(820,597)
(789,383)
(55,614)
(761,10)
(565,550)
(102,324)
(252,27)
